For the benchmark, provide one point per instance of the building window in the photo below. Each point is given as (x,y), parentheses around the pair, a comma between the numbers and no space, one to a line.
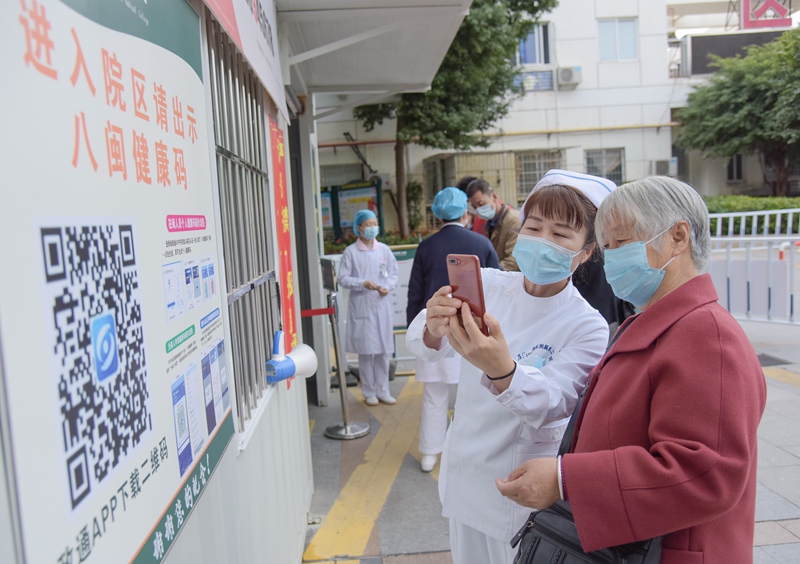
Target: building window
(535,49)
(735,168)
(241,143)
(535,81)
(608,163)
(531,167)
(338,175)
(617,39)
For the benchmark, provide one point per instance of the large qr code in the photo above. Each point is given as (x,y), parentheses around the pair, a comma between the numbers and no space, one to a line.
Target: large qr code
(96,339)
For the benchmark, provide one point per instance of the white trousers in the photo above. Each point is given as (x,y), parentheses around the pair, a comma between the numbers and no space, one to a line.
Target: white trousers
(469,546)
(433,422)
(373,371)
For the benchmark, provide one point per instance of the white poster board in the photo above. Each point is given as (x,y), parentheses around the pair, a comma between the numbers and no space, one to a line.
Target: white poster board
(110,311)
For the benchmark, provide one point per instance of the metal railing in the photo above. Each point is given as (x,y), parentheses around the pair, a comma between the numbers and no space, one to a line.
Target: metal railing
(756,276)
(753,223)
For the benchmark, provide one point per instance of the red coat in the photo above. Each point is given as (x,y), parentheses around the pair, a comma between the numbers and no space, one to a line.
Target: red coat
(667,441)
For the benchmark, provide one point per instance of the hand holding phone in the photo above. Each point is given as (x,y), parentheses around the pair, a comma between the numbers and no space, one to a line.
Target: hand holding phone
(464,272)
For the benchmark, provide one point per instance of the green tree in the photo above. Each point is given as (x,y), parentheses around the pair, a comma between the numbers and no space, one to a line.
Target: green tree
(474,87)
(751,104)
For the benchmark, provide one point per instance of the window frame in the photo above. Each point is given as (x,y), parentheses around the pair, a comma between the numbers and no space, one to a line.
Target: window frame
(541,160)
(617,57)
(618,179)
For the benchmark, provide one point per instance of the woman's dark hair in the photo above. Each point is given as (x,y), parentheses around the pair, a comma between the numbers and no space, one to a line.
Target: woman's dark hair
(464,182)
(567,204)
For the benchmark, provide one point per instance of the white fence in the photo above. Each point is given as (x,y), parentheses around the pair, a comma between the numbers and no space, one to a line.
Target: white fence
(756,277)
(754,263)
(765,223)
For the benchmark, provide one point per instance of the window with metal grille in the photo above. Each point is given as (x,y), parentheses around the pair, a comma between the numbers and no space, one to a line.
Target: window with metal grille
(608,163)
(531,166)
(337,175)
(241,145)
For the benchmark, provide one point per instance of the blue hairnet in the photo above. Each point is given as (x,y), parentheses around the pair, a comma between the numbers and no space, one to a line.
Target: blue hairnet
(449,204)
(361,217)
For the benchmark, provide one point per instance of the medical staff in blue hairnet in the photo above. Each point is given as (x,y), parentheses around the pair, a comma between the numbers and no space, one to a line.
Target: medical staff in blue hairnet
(369,271)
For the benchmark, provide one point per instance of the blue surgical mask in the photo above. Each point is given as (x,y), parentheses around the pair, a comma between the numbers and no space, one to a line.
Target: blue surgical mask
(369,232)
(541,261)
(631,277)
(487,212)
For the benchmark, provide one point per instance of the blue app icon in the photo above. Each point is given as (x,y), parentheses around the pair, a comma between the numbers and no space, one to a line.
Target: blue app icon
(105,351)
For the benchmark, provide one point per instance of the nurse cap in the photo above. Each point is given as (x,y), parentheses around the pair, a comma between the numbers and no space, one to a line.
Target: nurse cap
(594,188)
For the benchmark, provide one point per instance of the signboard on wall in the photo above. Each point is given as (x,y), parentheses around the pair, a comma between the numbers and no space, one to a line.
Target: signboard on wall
(757,14)
(115,363)
(405,260)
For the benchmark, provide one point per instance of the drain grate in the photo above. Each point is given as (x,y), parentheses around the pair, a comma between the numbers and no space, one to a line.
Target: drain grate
(767,360)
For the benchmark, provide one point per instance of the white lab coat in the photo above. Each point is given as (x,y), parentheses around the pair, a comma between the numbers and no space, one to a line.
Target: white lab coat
(556,341)
(369,315)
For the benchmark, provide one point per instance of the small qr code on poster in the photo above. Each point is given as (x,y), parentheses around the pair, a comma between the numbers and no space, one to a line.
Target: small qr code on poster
(96,339)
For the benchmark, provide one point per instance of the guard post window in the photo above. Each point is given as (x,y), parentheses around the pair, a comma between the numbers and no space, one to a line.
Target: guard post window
(617,39)
(241,144)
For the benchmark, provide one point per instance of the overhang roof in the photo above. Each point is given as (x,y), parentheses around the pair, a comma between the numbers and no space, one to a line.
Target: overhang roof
(365,51)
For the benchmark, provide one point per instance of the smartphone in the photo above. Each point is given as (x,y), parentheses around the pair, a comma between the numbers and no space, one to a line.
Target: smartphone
(464,272)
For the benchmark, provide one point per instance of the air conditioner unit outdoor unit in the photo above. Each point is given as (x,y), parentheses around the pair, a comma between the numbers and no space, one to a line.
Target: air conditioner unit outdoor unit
(569,78)
(664,168)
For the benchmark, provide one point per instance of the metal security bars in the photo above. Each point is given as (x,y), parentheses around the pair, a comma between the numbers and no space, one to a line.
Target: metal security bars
(241,145)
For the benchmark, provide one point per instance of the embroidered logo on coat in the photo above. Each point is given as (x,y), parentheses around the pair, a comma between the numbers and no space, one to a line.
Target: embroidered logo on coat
(538,356)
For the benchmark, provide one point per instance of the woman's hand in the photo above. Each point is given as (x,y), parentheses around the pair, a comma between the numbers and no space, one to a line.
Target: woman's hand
(532,484)
(490,354)
(370,285)
(440,310)
(383,291)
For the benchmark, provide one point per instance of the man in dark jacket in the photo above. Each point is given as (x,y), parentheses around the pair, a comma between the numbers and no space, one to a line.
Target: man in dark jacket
(428,274)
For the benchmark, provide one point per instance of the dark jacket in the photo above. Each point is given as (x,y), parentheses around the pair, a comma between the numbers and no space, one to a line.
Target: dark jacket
(666,443)
(429,272)
(590,280)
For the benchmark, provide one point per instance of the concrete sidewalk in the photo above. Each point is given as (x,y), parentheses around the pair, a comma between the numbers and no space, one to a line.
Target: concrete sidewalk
(377,507)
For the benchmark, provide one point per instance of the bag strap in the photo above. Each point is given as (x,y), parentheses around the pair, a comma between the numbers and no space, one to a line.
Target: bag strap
(566,440)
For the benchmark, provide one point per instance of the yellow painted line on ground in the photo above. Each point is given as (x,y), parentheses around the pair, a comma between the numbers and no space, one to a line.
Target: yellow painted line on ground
(782,375)
(311,423)
(348,525)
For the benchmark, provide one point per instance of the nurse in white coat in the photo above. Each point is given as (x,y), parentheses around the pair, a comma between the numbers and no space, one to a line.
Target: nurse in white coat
(369,270)
(518,386)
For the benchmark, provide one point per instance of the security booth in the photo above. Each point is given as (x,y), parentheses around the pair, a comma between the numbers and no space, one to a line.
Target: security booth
(340,204)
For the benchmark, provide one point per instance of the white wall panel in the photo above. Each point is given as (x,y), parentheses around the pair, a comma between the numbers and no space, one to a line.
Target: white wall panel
(617,8)
(618,74)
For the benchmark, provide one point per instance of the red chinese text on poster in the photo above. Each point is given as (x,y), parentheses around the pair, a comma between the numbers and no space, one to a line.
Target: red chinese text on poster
(284,236)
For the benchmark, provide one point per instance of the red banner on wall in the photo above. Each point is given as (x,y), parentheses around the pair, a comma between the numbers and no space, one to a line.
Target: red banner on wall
(284,236)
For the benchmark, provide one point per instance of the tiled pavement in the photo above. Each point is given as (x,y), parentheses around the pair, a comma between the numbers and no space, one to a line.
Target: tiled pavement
(378,508)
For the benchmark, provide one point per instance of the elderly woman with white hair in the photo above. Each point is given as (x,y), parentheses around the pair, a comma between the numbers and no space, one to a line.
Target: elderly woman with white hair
(665,443)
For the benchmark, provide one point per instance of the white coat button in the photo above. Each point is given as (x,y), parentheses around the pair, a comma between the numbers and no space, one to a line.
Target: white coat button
(494,287)
(508,292)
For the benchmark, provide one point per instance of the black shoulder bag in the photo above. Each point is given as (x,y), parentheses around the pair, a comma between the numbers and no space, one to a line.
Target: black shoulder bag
(550,535)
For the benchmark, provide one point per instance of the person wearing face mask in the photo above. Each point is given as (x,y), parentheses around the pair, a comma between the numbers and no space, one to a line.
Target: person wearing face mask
(428,274)
(518,386)
(502,222)
(369,270)
(665,442)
